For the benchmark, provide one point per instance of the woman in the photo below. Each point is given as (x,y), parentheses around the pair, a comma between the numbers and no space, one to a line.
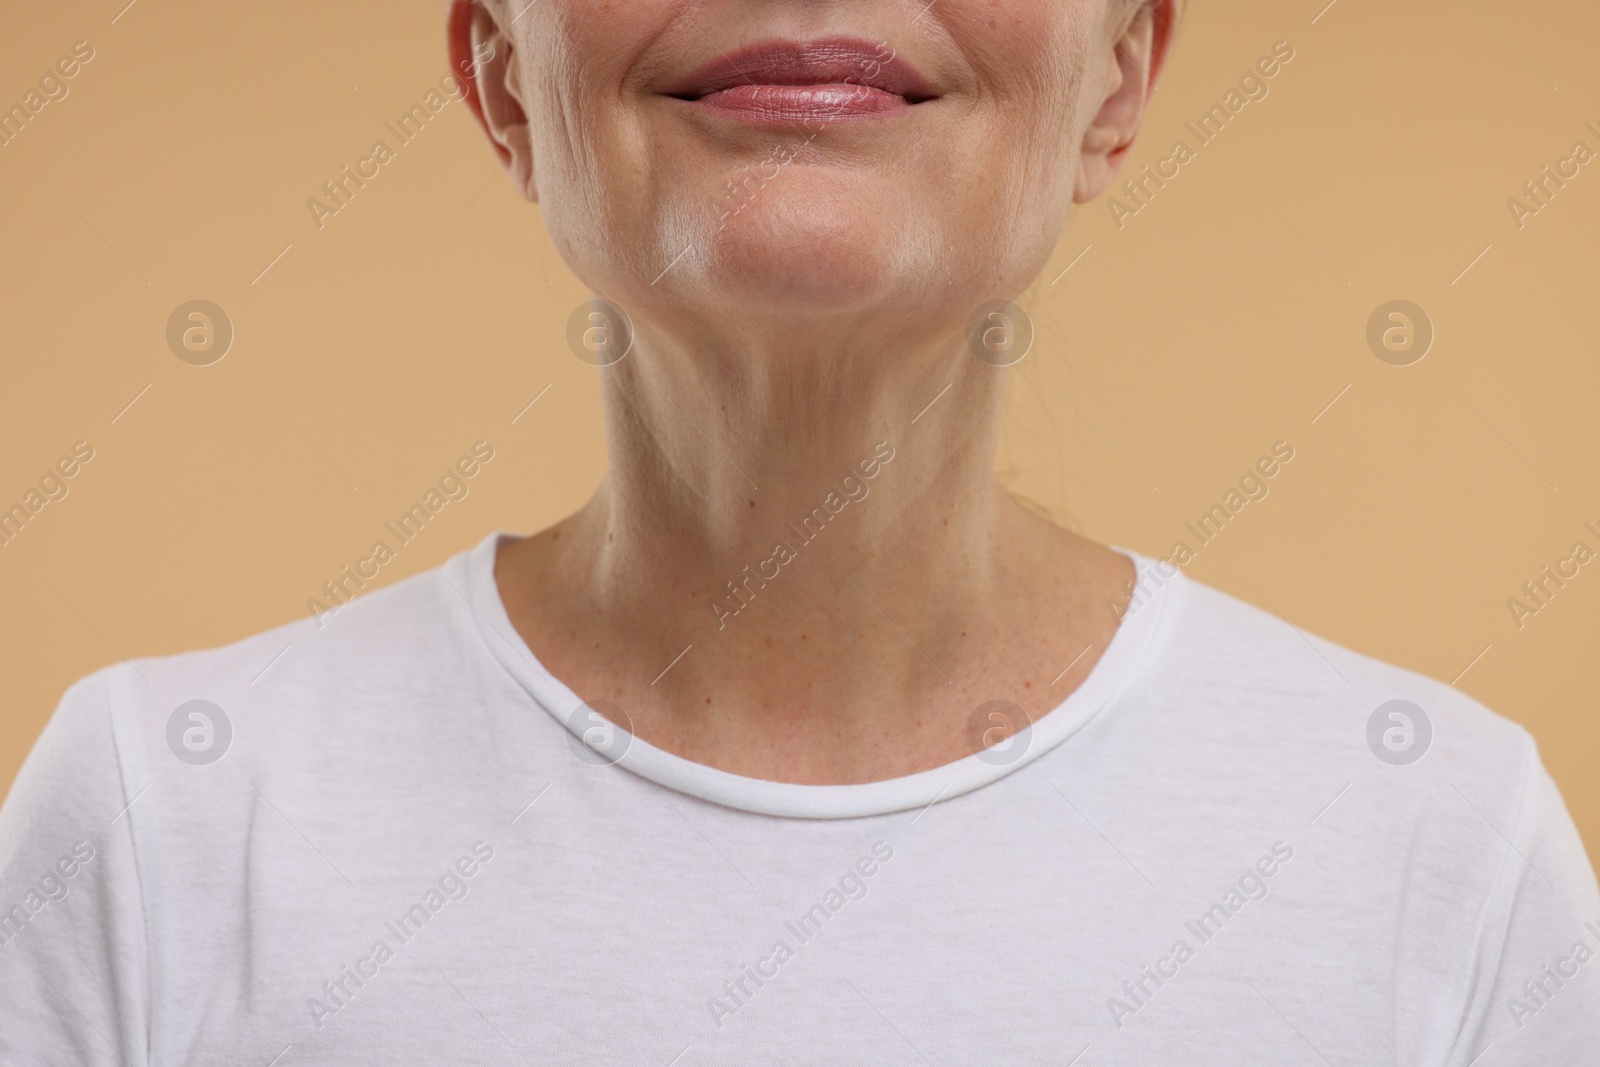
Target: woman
(802,742)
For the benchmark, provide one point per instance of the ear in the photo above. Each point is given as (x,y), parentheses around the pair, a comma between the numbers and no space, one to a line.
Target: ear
(1131,72)
(484,61)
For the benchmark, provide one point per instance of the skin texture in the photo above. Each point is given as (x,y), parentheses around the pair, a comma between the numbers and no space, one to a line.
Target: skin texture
(777,346)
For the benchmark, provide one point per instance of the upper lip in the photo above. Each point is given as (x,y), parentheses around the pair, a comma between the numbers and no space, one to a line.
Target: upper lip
(827,61)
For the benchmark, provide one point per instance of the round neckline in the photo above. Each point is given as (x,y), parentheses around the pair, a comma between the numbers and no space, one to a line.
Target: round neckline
(471,573)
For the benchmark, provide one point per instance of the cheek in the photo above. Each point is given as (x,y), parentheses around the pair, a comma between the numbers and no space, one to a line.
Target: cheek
(1034,102)
(593,165)
(1028,55)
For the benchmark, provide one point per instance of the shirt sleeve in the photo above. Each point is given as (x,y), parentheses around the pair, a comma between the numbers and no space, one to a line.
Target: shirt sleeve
(73,948)
(1536,987)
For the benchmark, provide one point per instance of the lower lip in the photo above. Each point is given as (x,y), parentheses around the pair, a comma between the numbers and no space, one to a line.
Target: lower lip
(802,103)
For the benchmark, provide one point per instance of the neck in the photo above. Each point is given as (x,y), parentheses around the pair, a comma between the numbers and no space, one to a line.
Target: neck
(825,533)
(716,457)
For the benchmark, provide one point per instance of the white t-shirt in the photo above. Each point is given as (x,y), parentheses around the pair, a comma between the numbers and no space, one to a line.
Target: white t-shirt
(1217,849)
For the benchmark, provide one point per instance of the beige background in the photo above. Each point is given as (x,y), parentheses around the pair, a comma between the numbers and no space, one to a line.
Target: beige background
(1223,317)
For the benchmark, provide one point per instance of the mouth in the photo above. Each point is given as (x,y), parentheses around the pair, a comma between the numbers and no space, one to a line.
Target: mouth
(827,80)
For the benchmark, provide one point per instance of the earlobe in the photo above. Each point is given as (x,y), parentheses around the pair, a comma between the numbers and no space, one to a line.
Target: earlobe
(483,55)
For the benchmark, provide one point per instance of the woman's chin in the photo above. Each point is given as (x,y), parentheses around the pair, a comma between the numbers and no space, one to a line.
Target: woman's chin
(813,258)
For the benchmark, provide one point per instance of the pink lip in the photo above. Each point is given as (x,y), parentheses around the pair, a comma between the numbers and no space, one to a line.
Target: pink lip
(824,80)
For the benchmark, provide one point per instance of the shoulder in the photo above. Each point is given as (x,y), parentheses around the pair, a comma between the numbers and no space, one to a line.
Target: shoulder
(1431,839)
(1288,695)
(384,658)
(1222,634)
(373,635)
